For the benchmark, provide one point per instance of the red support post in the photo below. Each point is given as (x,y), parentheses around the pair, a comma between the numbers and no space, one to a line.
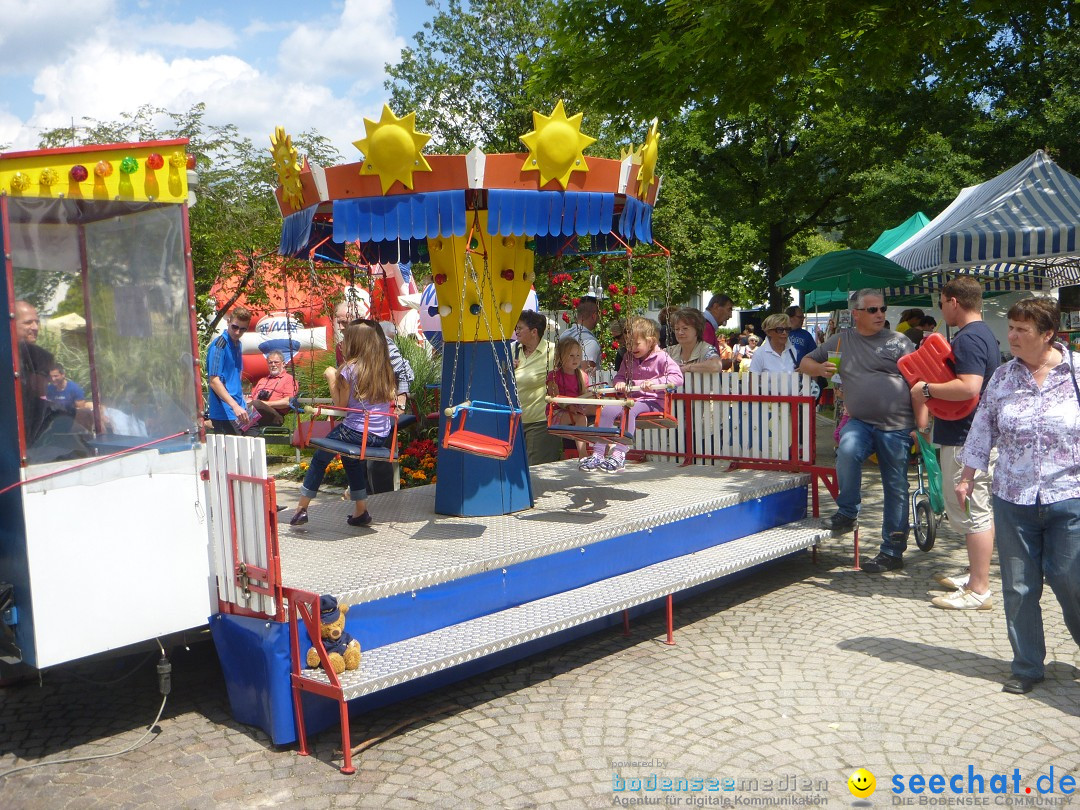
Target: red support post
(670,621)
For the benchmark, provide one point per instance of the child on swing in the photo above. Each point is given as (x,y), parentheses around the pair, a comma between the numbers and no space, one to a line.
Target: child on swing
(650,369)
(364,382)
(568,379)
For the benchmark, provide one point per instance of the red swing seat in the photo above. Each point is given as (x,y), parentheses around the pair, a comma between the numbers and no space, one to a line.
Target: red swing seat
(616,433)
(457,437)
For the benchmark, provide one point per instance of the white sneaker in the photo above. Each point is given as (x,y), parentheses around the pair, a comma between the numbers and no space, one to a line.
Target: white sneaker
(613,465)
(590,463)
(957,582)
(963,599)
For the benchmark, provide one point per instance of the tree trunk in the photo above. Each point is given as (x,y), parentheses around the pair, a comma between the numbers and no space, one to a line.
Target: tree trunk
(778,296)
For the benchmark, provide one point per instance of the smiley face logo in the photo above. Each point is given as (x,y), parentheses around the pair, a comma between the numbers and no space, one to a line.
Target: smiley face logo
(861,783)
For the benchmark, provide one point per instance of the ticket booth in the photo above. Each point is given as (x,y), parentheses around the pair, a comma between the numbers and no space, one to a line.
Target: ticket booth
(103,537)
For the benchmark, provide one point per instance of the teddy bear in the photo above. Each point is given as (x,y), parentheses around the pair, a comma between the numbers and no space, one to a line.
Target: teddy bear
(342,649)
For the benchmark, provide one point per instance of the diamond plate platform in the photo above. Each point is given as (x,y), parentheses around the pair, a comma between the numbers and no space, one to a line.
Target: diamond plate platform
(416,657)
(411,547)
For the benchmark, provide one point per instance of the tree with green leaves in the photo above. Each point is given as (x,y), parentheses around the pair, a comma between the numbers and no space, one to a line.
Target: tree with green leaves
(786,123)
(235,223)
(467,74)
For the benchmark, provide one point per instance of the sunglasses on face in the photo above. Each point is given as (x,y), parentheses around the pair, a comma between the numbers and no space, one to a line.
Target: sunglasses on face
(872,310)
(238,327)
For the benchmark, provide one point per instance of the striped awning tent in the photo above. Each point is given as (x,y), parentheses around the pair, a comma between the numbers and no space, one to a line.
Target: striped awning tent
(1023,222)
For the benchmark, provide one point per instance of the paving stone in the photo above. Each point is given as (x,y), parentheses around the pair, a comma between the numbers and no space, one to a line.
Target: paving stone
(815,669)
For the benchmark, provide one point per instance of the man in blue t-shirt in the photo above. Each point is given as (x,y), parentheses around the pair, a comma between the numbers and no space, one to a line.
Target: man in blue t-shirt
(224,365)
(977,354)
(66,394)
(800,339)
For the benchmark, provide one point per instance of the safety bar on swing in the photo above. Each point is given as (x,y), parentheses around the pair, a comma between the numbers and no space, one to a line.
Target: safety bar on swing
(480,406)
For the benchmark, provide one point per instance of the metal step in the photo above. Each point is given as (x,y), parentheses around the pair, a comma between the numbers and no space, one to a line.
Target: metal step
(402,661)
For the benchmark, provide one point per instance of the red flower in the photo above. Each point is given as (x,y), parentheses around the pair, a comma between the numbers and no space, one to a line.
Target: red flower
(614,344)
(633,289)
(576,301)
(566,317)
(617,307)
(613,288)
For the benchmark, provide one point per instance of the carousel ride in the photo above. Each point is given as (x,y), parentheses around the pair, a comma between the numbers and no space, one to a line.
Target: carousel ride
(479,220)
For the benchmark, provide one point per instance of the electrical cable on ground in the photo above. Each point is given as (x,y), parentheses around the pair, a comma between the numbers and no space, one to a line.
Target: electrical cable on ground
(164,669)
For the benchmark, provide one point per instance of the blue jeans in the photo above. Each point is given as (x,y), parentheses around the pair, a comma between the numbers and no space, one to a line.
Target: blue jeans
(1036,541)
(355,470)
(858,441)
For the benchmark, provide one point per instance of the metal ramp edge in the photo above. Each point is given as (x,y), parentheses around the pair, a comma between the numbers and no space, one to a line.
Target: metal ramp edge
(402,661)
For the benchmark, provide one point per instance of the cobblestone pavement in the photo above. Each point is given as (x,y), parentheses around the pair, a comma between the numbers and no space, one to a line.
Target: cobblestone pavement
(802,672)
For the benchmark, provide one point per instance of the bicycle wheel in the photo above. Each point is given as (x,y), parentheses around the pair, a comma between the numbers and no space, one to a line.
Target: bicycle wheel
(925,525)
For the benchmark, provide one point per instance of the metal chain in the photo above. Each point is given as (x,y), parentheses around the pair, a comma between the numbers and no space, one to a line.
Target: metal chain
(457,343)
(500,367)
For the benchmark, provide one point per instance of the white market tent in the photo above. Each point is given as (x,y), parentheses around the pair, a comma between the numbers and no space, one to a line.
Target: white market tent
(1022,223)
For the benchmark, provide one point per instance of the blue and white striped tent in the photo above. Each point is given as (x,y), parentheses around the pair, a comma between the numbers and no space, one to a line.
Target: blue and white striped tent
(1022,223)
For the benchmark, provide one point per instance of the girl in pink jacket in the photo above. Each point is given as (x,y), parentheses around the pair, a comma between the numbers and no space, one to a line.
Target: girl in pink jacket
(647,368)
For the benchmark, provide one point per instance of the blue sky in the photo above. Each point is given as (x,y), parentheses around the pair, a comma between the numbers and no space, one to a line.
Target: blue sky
(307,64)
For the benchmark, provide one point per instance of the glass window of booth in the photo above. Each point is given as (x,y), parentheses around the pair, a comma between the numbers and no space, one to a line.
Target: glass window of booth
(103,325)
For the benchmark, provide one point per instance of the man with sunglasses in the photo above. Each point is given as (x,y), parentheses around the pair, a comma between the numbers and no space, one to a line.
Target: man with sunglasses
(881,421)
(224,365)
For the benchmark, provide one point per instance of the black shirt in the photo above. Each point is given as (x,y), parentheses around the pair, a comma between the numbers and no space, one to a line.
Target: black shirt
(977,352)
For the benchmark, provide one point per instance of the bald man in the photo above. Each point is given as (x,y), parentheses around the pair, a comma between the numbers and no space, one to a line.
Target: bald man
(34,366)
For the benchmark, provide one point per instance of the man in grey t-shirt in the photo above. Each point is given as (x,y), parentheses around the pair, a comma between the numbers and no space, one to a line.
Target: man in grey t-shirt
(878,402)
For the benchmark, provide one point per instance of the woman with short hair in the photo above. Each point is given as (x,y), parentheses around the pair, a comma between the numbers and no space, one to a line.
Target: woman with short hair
(534,358)
(689,350)
(775,354)
(1030,411)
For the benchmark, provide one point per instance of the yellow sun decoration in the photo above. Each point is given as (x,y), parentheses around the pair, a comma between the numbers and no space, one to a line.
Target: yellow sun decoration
(555,146)
(392,149)
(649,152)
(287,166)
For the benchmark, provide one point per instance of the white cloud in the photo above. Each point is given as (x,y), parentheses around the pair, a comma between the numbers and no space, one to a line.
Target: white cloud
(196,35)
(124,54)
(358,44)
(101,83)
(35,31)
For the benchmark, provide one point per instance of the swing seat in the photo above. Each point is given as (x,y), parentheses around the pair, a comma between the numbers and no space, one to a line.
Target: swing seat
(617,433)
(592,434)
(340,448)
(480,444)
(659,420)
(317,437)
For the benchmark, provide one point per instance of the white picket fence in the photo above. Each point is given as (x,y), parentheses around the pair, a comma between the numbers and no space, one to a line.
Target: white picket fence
(248,513)
(724,416)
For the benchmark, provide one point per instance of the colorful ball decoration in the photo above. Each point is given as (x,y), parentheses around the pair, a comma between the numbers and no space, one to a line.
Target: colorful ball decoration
(191,162)
(20,181)
(48,177)
(178,160)
(154,161)
(129,165)
(103,168)
(78,173)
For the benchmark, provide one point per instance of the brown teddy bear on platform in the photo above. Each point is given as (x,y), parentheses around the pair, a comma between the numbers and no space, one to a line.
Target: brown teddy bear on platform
(342,649)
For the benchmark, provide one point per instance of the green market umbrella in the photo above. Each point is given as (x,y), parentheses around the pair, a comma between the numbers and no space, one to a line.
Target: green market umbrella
(846,270)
